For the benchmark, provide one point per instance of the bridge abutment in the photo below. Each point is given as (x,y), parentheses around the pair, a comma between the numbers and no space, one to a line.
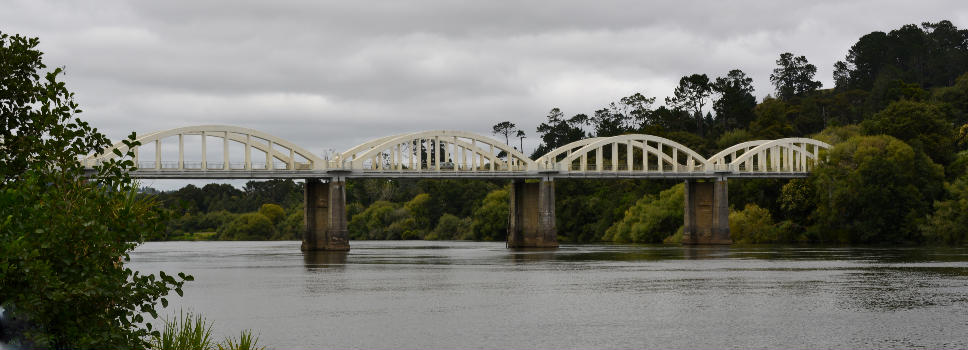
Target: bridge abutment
(532,215)
(706,213)
(325,215)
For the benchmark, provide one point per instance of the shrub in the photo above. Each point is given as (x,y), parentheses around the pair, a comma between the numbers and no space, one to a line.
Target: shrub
(373,221)
(248,227)
(291,228)
(874,189)
(489,222)
(273,212)
(949,222)
(651,219)
(187,331)
(752,225)
(65,233)
(450,227)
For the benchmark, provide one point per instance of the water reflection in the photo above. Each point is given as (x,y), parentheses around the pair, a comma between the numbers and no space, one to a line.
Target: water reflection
(325,260)
(692,252)
(388,295)
(531,255)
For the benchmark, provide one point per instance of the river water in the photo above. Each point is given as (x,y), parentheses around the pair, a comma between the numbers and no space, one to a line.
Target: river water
(473,295)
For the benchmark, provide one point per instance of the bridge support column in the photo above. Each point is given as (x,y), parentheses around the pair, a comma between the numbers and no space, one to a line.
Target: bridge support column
(706,212)
(532,215)
(325,215)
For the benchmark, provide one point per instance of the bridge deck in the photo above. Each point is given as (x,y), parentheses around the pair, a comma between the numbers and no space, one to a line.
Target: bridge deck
(451,154)
(323,174)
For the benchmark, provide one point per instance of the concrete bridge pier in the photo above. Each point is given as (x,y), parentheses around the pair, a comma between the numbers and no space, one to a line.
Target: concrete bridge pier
(706,212)
(325,215)
(532,215)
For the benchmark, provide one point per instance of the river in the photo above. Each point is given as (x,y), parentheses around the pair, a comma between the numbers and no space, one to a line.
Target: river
(479,295)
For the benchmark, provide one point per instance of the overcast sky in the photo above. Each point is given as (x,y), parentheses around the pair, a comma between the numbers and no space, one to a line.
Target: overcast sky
(332,74)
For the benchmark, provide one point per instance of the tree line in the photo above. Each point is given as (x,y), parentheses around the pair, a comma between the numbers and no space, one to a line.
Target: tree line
(896,116)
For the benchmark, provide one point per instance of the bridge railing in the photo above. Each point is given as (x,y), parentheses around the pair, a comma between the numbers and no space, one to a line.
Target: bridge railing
(440,151)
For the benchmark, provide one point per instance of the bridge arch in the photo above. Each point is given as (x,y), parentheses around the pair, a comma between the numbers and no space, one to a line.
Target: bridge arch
(721,160)
(550,159)
(435,150)
(291,155)
(786,155)
(643,154)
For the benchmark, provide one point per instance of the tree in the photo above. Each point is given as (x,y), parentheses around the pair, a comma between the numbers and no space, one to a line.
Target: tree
(490,221)
(874,189)
(504,128)
(866,59)
(248,227)
(65,234)
(734,107)
(771,120)
(691,95)
(420,210)
(931,55)
(373,222)
(920,124)
(651,219)
(793,76)
(949,222)
(521,136)
(273,212)
(841,75)
(753,224)
(558,131)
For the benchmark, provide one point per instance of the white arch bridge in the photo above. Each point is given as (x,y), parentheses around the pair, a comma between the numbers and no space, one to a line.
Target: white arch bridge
(229,152)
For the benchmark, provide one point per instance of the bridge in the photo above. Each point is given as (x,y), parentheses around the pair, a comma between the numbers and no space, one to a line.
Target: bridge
(242,153)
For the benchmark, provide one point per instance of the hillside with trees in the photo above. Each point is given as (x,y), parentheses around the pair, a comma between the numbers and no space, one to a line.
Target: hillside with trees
(897,116)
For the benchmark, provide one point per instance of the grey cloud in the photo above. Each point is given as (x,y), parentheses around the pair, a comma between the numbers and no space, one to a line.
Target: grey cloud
(331,74)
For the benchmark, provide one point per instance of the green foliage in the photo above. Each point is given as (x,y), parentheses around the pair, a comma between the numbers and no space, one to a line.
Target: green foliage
(762,192)
(450,227)
(949,222)
(874,189)
(585,209)
(755,225)
(793,76)
(505,128)
(688,139)
(797,200)
(734,107)
(273,212)
(246,342)
(771,120)
(291,228)
(963,136)
(247,227)
(920,124)
(956,97)
(559,131)
(691,95)
(930,55)
(836,134)
(490,221)
(372,223)
(197,222)
(65,236)
(420,210)
(187,331)
(404,228)
(651,219)
(733,137)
